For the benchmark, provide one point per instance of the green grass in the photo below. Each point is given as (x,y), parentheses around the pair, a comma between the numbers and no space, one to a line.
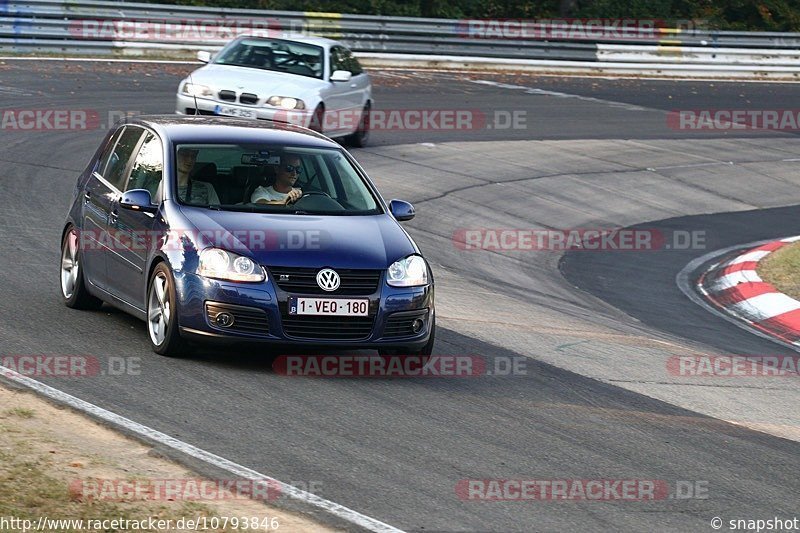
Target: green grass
(20,412)
(782,269)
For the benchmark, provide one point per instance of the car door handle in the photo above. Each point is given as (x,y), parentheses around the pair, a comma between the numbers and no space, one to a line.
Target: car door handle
(353,85)
(113,216)
(87,196)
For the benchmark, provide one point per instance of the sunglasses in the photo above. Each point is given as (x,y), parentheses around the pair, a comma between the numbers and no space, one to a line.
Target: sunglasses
(293,168)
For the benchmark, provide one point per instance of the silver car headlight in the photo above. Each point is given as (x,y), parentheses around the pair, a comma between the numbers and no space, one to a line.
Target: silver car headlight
(409,272)
(222,264)
(286,102)
(193,89)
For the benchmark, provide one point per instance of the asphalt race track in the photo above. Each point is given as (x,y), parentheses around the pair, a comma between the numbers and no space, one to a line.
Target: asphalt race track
(597,328)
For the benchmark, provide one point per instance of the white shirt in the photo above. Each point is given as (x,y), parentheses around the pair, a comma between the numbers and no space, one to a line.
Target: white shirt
(268,194)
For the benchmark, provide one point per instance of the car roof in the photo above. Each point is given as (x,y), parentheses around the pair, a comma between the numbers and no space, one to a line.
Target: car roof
(209,129)
(299,38)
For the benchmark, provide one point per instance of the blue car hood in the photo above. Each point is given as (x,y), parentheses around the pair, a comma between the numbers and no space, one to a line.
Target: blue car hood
(369,242)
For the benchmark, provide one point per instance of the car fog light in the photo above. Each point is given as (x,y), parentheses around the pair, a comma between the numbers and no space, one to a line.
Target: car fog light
(224,320)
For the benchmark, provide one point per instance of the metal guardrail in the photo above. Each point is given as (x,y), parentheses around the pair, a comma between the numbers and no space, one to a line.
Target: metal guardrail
(97,27)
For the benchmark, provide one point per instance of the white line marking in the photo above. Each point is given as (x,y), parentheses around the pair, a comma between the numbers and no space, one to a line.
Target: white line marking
(340,511)
(543,92)
(734,278)
(603,76)
(757,255)
(14,91)
(99,60)
(764,306)
(791,239)
(690,165)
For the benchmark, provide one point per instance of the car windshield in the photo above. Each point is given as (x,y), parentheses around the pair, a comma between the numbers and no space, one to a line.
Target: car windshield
(274,54)
(270,179)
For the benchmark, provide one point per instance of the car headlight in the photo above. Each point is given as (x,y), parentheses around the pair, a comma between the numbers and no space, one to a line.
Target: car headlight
(409,272)
(286,102)
(193,89)
(221,264)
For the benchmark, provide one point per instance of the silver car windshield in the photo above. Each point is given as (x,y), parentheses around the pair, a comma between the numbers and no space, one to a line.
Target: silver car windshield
(275,54)
(277,179)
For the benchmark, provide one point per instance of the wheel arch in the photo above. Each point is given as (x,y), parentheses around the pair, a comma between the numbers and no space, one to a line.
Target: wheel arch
(69,224)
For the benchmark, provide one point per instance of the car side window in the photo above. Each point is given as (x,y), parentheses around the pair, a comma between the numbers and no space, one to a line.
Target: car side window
(352,194)
(337,61)
(103,161)
(350,62)
(148,167)
(114,172)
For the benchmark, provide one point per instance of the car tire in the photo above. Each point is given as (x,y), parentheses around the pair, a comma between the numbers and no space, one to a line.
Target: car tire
(73,287)
(360,137)
(162,314)
(317,119)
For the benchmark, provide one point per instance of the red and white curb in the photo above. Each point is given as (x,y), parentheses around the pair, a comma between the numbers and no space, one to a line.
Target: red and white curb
(735,288)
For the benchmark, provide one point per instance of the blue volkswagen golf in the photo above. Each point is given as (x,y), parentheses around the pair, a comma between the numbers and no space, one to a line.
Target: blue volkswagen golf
(233,230)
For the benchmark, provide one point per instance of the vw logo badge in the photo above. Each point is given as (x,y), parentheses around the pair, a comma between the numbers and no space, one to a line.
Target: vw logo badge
(328,280)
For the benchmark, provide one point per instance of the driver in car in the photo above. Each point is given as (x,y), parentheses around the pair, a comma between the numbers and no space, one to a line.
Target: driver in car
(282,192)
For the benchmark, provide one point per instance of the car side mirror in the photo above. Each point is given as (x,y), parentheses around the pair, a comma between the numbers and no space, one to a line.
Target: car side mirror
(341,76)
(204,56)
(401,210)
(138,200)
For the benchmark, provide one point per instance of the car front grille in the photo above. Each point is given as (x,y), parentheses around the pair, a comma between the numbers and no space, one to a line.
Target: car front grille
(248,98)
(400,325)
(228,96)
(245,319)
(244,98)
(354,282)
(328,327)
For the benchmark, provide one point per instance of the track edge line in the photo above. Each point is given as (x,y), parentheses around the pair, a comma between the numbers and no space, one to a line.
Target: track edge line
(332,512)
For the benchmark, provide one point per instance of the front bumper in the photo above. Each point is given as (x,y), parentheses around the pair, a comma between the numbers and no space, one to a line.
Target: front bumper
(262,310)
(187,105)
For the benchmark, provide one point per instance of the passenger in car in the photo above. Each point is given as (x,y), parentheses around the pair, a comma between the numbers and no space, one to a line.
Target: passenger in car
(193,191)
(282,192)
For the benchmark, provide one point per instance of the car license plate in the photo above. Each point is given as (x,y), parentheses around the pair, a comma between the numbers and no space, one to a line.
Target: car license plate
(234,112)
(329,306)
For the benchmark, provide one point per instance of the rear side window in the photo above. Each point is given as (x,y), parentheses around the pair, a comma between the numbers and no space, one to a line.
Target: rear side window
(114,172)
(103,161)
